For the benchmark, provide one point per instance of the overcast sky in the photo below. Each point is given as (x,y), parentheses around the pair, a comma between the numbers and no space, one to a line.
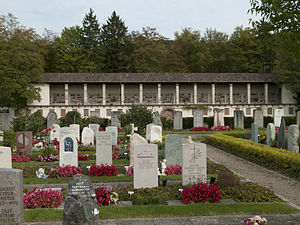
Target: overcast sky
(168,16)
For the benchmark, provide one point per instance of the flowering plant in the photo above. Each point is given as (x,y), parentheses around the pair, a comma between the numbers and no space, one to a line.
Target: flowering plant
(46,131)
(115,156)
(105,197)
(64,171)
(121,130)
(119,141)
(42,198)
(83,157)
(117,147)
(103,170)
(256,220)
(18,158)
(220,128)
(50,158)
(199,129)
(201,192)
(129,171)
(173,170)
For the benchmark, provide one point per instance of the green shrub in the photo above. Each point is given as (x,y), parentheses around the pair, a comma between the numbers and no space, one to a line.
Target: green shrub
(103,122)
(277,159)
(188,122)
(237,134)
(209,121)
(247,122)
(290,120)
(167,124)
(34,122)
(229,121)
(128,129)
(267,119)
(9,139)
(49,150)
(71,118)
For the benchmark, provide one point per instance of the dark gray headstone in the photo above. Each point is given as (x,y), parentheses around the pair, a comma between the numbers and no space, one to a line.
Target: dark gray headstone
(258,115)
(298,118)
(239,119)
(156,119)
(281,134)
(24,142)
(80,203)
(115,118)
(177,123)
(11,196)
(254,132)
(51,119)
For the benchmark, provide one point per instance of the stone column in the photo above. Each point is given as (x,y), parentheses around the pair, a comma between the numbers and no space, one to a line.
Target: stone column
(177,94)
(213,93)
(230,93)
(122,94)
(66,94)
(266,93)
(104,94)
(159,94)
(141,94)
(249,93)
(195,93)
(85,94)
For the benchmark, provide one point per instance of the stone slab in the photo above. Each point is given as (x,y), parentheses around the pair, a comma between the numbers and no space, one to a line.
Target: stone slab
(103,148)
(293,138)
(75,130)
(270,133)
(219,117)
(87,136)
(156,134)
(51,119)
(238,119)
(298,118)
(258,115)
(148,130)
(115,118)
(254,132)
(173,149)
(281,134)
(68,147)
(135,139)
(198,120)
(5,157)
(156,119)
(114,133)
(24,141)
(278,114)
(95,127)
(177,122)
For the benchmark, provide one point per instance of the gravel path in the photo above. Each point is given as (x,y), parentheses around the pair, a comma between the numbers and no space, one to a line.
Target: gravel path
(286,188)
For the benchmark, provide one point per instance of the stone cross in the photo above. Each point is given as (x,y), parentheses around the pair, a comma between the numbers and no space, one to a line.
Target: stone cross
(293,138)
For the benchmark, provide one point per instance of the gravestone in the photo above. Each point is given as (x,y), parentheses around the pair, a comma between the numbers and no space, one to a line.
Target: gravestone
(1,135)
(298,118)
(80,203)
(54,133)
(148,130)
(115,118)
(259,117)
(218,117)
(24,142)
(104,148)
(198,118)
(177,122)
(238,119)
(95,127)
(254,132)
(156,134)
(156,119)
(68,147)
(114,133)
(293,138)
(11,196)
(278,113)
(5,158)
(75,130)
(51,119)
(281,134)
(6,117)
(270,134)
(173,149)
(87,136)
(193,163)
(145,166)
(135,139)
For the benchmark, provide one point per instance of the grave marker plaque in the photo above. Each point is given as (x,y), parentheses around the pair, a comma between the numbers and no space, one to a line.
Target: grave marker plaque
(24,142)
(68,148)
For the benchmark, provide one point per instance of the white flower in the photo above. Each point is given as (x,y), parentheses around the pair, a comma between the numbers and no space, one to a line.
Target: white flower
(130,192)
(180,189)
(96,211)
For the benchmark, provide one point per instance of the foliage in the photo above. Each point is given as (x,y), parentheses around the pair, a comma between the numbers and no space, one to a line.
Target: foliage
(21,63)
(201,192)
(34,122)
(103,122)
(42,198)
(187,122)
(72,117)
(18,158)
(277,159)
(103,170)
(9,139)
(139,115)
(86,148)
(229,121)
(290,120)
(49,150)
(128,129)
(173,170)
(115,156)
(64,171)
(167,124)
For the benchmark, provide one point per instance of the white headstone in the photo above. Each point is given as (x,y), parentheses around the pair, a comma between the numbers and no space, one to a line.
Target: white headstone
(95,127)
(258,115)
(293,138)
(104,148)
(68,147)
(156,134)
(218,117)
(114,131)
(278,113)
(87,136)
(55,132)
(177,122)
(148,130)
(145,166)
(5,157)
(135,139)
(75,130)
(198,118)
(270,133)
(193,163)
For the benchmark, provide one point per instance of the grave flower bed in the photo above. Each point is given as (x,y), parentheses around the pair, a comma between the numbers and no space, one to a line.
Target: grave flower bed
(83,157)
(64,171)
(42,198)
(200,129)
(220,128)
(103,170)
(115,156)
(18,158)
(104,196)
(173,170)
(201,192)
(256,220)
(129,171)
(116,147)
(51,158)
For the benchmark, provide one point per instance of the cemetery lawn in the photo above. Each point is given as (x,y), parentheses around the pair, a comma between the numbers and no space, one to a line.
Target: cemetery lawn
(148,211)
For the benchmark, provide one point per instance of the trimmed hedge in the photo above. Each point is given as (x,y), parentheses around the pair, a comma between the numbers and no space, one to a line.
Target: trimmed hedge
(281,160)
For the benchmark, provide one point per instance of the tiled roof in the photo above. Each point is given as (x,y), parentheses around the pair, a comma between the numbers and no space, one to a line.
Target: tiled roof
(158,77)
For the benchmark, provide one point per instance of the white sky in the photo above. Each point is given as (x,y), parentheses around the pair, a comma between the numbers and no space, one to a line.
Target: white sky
(168,16)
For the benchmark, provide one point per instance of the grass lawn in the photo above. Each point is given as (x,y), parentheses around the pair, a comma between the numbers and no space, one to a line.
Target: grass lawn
(201,209)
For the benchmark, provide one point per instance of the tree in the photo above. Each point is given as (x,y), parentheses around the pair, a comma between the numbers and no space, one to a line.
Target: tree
(34,122)
(90,40)
(21,63)
(113,45)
